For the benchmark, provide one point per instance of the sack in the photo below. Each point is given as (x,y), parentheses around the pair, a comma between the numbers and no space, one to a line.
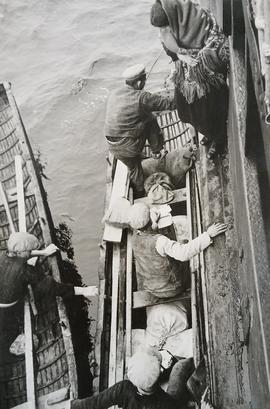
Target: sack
(167,328)
(18,345)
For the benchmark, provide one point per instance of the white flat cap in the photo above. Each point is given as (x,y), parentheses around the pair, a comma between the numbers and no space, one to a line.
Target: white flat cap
(134,72)
(144,369)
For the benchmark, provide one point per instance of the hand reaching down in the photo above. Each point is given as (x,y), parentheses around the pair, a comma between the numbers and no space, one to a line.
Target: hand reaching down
(50,250)
(216,229)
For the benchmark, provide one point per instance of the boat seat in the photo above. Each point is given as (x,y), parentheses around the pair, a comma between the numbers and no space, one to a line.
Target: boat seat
(180,195)
(144,298)
(119,189)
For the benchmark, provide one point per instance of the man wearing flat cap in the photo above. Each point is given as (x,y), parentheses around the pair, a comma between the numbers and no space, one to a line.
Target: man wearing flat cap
(16,274)
(130,121)
(139,391)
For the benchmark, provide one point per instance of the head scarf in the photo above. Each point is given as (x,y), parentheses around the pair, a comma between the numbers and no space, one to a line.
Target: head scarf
(188,22)
(158,16)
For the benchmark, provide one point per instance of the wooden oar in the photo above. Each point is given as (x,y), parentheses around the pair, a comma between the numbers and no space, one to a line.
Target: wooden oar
(29,364)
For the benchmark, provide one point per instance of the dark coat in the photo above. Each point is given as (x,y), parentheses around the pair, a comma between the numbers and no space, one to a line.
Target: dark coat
(125,395)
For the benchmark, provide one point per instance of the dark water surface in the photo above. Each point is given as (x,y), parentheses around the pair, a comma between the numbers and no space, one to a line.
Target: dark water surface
(63,57)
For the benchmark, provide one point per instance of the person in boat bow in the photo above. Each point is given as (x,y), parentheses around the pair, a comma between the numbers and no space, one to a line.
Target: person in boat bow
(130,121)
(140,391)
(162,265)
(16,273)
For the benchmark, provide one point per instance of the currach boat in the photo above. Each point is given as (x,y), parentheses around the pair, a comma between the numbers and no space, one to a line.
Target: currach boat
(122,302)
(47,371)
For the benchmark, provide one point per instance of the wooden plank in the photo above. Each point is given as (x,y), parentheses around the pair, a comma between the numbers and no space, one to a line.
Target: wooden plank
(129,296)
(29,364)
(119,189)
(113,340)
(180,195)
(101,328)
(59,399)
(121,309)
(4,199)
(144,298)
(194,272)
(24,405)
(20,193)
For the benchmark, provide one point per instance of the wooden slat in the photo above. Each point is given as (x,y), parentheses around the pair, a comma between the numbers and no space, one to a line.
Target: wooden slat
(180,195)
(129,296)
(20,193)
(119,189)
(55,400)
(113,341)
(4,199)
(194,272)
(121,312)
(25,405)
(29,364)
(143,299)
(101,327)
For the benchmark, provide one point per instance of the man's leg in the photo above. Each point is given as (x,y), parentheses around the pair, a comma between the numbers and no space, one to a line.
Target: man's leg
(179,375)
(136,173)
(154,135)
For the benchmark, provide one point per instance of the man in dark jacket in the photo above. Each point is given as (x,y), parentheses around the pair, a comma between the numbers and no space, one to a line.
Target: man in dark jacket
(16,274)
(141,391)
(130,121)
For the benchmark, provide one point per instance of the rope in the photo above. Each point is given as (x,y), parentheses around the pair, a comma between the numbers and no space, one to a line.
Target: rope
(154,63)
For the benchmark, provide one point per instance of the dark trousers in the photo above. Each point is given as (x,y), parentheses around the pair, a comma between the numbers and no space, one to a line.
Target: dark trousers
(129,149)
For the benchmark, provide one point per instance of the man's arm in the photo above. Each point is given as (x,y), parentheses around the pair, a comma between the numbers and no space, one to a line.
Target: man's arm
(154,102)
(115,395)
(48,251)
(185,252)
(182,252)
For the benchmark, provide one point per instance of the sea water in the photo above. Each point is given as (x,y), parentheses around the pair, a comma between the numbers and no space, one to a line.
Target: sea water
(62,58)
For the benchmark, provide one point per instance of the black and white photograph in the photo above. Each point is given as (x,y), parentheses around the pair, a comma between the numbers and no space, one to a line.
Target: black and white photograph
(134,204)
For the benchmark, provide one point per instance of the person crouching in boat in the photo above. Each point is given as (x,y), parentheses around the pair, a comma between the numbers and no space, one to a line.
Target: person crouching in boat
(140,391)
(130,121)
(16,273)
(199,48)
(162,265)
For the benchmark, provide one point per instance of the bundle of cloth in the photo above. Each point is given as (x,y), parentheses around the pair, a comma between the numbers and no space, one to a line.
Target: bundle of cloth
(167,329)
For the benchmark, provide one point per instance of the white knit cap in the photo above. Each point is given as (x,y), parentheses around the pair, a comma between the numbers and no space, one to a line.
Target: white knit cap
(144,369)
(139,215)
(134,72)
(21,241)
